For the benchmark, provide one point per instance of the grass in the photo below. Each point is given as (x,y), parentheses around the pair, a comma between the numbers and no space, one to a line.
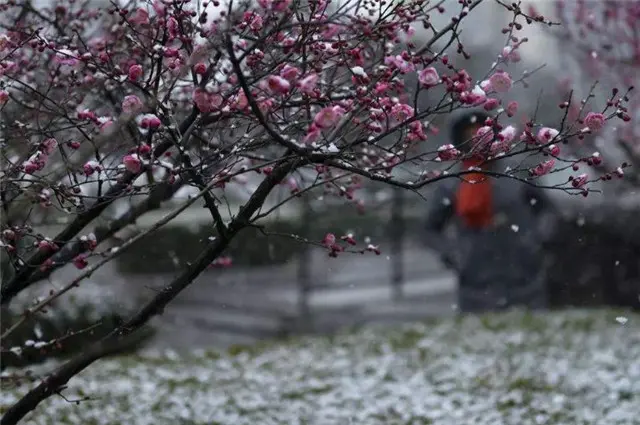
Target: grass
(572,367)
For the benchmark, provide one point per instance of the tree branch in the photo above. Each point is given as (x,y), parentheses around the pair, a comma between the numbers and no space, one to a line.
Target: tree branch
(155,306)
(21,279)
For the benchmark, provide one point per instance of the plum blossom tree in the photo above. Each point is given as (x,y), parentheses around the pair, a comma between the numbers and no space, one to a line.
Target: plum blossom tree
(598,41)
(126,104)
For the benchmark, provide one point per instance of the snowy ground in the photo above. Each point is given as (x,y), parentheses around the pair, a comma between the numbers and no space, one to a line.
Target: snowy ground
(578,367)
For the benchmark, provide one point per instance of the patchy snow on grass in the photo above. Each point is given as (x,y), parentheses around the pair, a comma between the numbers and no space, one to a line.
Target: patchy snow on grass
(575,367)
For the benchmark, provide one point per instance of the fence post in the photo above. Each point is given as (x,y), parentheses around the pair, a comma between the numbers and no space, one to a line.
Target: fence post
(397,235)
(304,266)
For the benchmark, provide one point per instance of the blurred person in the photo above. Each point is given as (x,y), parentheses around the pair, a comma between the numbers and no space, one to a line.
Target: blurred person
(499,226)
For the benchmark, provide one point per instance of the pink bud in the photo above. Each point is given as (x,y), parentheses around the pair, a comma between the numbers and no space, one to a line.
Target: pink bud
(47,246)
(4,97)
(86,115)
(222,262)
(512,108)
(349,239)
(30,167)
(144,149)
(579,181)
(476,96)
(491,104)
(135,72)
(200,68)
(553,150)
(132,163)
(89,241)
(74,144)
(169,52)
(329,240)
(89,168)
(172,27)
(80,261)
(150,121)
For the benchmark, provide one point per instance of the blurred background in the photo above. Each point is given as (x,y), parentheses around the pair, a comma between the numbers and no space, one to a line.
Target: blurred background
(279,287)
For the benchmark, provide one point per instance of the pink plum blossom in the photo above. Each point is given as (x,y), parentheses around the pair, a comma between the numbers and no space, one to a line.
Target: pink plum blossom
(49,146)
(507,134)
(278,84)
(313,134)
(595,121)
(510,54)
(329,116)
(483,136)
(4,96)
(429,77)
(448,153)
(140,17)
(131,104)
(289,72)
(401,112)
(547,134)
(543,168)
(399,63)
(205,101)
(501,82)
(308,83)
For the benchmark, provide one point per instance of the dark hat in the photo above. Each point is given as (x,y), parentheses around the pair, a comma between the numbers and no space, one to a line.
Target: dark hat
(461,126)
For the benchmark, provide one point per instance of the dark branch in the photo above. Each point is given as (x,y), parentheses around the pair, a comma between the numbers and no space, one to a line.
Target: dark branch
(155,306)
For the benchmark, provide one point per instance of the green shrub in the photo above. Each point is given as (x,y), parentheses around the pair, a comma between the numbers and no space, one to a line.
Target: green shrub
(170,248)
